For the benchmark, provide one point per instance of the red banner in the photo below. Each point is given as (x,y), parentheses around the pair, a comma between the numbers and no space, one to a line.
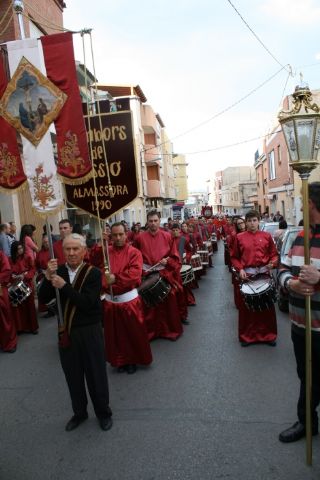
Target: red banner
(11,170)
(74,164)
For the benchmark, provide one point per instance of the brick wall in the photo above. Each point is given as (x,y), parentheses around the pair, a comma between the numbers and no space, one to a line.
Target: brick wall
(41,12)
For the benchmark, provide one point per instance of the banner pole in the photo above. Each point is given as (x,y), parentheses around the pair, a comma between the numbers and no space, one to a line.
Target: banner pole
(57,291)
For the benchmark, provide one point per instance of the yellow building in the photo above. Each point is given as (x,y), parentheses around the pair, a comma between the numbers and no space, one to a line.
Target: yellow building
(181,177)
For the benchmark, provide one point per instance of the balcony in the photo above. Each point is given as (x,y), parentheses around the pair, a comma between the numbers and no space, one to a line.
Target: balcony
(149,120)
(152,155)
(154,189)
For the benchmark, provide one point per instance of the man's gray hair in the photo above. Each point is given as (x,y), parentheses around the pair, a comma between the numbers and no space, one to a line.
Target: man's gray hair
(75,236)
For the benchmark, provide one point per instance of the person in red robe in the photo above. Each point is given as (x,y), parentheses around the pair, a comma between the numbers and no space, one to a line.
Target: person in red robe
(23,269)
(133,233)
(42,259)
(193,246)
(240,226)
(125,332)
(65,228)
(185,251)
(8,332)
(160,254)
(254,253)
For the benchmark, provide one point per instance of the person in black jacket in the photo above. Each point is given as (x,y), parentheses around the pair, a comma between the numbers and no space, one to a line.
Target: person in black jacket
(81,344)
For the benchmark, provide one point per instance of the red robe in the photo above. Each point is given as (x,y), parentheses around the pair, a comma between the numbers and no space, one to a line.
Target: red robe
(187,298)
(164,320)
(125,332)
(254,250)
(8,332)
(58,252)
(25,314)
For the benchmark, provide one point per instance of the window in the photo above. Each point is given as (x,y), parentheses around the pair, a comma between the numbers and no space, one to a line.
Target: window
(272,167)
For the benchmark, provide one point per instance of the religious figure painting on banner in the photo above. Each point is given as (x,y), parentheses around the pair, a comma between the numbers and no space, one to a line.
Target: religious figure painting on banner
(31,102)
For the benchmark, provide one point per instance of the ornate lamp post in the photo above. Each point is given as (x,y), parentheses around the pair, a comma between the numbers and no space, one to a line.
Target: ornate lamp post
(301,129)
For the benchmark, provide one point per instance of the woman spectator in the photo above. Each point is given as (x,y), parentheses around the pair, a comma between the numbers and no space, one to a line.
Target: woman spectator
(26,238)
(23,270)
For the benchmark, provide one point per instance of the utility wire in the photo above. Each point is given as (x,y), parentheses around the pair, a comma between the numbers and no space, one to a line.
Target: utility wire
(222,147)
(256,36)
(221,112)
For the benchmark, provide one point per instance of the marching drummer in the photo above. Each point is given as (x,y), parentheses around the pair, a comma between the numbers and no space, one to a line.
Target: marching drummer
(125,332)
(185,251)
(23,271)
(8,332)
(254,253)
(160,254)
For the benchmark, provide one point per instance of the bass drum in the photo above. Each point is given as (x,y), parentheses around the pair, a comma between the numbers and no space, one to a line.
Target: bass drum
(154,289)
(259,294)
(18,293)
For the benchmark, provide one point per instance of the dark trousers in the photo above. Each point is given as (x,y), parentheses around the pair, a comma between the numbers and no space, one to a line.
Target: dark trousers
(85,360)
(300,351)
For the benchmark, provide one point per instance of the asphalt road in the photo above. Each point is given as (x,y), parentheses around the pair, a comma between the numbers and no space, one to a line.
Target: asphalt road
(206,409)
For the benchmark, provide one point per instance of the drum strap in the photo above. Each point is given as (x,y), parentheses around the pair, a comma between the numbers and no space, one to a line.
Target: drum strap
(70,309)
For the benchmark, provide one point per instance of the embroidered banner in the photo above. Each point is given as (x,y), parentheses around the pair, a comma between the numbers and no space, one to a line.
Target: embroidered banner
(40,167)
(31,102)
(110,133)
(74,165)
(12,175)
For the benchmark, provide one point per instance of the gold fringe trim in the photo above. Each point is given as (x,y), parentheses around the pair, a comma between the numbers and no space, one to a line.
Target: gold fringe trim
(47,213)
(75,181)
(10,191)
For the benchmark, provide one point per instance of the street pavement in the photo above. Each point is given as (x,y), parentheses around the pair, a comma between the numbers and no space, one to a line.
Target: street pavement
(206,408)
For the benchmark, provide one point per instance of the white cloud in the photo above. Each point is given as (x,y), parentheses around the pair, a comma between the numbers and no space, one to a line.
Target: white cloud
(293,12)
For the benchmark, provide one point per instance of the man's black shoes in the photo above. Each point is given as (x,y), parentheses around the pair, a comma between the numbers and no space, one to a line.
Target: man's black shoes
(130,369)
(75,421)
(105,423)
(296,432)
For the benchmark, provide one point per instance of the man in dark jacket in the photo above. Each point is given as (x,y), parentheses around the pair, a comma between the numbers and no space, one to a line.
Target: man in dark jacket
(81,344)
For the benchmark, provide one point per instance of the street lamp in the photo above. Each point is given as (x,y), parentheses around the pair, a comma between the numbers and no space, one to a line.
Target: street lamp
(301,129)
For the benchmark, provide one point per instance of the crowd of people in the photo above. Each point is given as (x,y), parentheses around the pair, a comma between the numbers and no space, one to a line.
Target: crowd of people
(132,286)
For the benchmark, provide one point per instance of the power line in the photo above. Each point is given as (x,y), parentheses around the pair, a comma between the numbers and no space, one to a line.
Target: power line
(222,147)
(221,112)
(256,36)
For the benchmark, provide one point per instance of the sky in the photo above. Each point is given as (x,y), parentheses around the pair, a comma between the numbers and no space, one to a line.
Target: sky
(216,86)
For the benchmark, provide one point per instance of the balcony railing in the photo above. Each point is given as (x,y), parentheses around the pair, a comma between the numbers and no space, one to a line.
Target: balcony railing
(154,189)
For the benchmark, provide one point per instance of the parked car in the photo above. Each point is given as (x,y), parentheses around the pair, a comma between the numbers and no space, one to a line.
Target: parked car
(283,245)
(272,227)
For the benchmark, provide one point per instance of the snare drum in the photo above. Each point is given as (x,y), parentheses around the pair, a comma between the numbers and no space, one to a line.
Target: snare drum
(259,294)
(154,289)
(187,274)
(18,293)
(196,262)
(208,246)
(204,256)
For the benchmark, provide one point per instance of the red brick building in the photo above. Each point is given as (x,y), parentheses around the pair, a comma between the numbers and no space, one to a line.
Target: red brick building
(42,15)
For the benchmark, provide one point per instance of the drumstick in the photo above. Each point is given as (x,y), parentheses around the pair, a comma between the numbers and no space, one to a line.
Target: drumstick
(154,266)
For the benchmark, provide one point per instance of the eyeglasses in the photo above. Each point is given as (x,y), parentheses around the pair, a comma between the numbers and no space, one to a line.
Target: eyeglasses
(239,223)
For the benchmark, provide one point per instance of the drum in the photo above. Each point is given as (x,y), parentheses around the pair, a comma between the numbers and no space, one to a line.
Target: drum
(187,274)
(204,256)
(259,294)
(154,289)
(208,246)
(18,293)
(214,242)
(196,262)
